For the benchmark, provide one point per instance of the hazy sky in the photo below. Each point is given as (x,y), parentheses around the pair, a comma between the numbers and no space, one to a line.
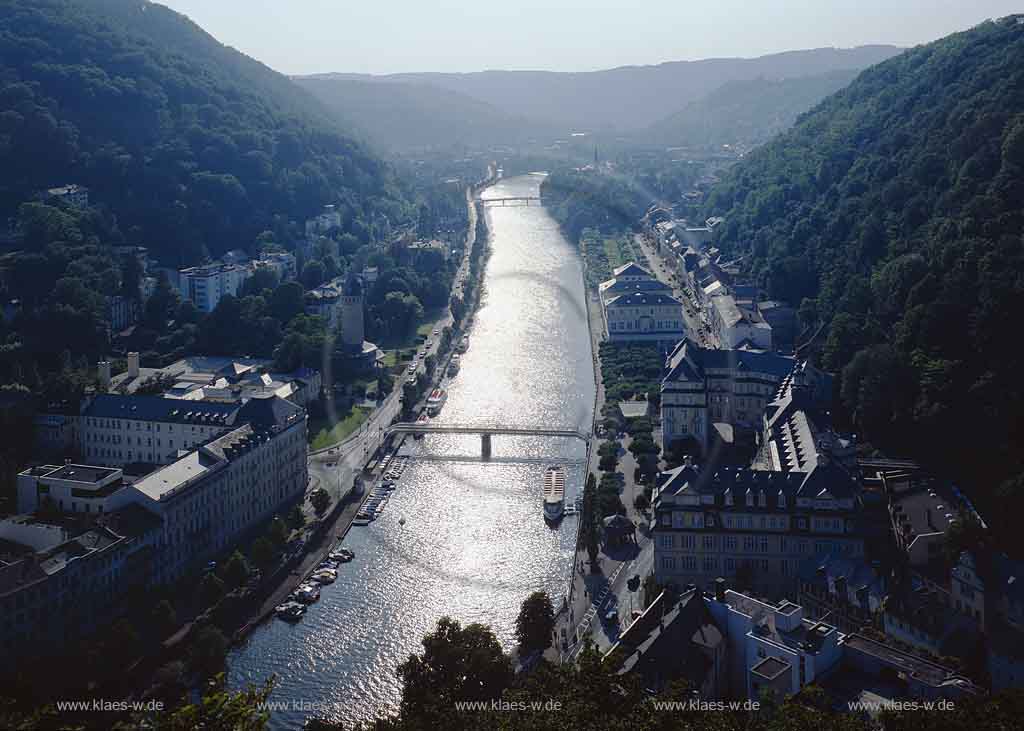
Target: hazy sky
(385,36)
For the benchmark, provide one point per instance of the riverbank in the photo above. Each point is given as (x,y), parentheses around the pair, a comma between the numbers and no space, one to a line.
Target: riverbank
(460,536)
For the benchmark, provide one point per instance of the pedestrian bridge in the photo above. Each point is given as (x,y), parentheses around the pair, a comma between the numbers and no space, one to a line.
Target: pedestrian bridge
(486,432)
(521,200)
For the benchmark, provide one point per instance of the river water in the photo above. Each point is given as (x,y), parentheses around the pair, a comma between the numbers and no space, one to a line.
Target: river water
(471,543)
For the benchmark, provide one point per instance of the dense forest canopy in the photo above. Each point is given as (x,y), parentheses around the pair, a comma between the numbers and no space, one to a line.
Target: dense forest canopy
(194,146)
(893,214)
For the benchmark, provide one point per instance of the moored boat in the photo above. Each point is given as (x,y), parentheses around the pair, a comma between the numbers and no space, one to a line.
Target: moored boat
(291,611)
(554,492)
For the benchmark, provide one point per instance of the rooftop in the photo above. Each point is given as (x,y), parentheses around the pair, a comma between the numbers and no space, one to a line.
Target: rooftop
(770,668)
(915,667)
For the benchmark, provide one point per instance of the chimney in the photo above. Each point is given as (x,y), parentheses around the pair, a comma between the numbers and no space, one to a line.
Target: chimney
(103,368)
(720,589)
(133,365)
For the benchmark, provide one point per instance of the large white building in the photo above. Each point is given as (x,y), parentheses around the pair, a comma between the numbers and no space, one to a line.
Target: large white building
(59,581)
(734,521)
(205,286)
(704,386)
(772,647)
(115,429)
(631,279)
(738,326)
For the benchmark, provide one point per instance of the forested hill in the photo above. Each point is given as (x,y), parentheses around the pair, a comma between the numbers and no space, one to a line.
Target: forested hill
(406,117)
(749,111)
(191,144)
(895,212)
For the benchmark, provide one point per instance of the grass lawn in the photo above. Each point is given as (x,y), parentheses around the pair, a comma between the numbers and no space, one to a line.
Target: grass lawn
(324,435)
(612,251)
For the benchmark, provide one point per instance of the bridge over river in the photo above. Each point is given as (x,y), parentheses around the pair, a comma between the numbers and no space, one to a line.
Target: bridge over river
(486,432)
(513,200)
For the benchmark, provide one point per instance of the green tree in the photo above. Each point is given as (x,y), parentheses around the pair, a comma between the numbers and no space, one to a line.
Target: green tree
(457,664)
(535,622)
(164,618)
(262,554)
(211,590)
(207,651)
(236,572)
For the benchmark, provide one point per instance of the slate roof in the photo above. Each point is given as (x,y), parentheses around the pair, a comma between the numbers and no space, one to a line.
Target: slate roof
(642,299)
(666,643)
(262,411)
(631,269)
(158,408)
(688,361)
(826,480)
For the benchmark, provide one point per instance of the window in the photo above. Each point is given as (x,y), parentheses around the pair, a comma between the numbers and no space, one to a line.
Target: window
(668,563)
(764,544)
(709,543)
(730,543)
(748,544)
(665,541)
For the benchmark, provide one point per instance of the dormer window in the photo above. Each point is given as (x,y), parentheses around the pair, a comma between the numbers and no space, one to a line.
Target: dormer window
(750,499)
(782,500)
(762,500)
(728,498)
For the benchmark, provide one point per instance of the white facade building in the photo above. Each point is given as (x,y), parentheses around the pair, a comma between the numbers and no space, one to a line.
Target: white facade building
(205,286)
(772,646)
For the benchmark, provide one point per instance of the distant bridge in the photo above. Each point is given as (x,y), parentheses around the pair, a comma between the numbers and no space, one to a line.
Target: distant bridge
(485,432)
(522,200)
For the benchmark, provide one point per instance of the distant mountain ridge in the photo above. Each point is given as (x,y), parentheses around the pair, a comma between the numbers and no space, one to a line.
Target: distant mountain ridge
(749,111)
(627,98)
(409,116)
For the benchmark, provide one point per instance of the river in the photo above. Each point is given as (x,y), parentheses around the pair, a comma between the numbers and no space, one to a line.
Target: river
(472,544)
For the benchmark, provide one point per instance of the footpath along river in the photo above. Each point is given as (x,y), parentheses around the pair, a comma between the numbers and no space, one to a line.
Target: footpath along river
(473,543)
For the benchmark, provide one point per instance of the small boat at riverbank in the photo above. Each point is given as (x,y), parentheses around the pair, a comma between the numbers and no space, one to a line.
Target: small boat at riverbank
(325,576)
(454,365)
(463,345)
(554,493)
(290,611)
(307,593)
(342,554)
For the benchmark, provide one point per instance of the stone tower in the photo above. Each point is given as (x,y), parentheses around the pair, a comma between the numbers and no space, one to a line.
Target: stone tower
(352,331)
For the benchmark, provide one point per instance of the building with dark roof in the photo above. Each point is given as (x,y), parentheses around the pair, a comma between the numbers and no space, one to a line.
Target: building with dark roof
(753,523)
(703,386)
(117,429)
(637,307)
(69,578)
(674,640)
